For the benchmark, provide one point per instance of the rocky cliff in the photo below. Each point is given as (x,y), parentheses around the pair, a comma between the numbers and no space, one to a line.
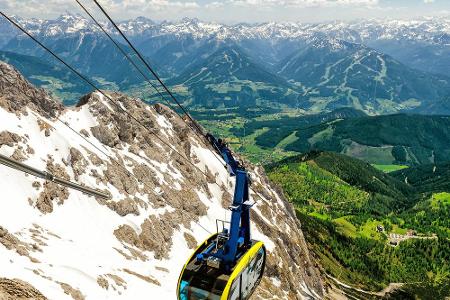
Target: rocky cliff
(57,243)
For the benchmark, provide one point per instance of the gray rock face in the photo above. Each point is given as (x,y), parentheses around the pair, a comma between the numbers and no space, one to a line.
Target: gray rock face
(104,135)
(78,162)
(9,139)
(16,94)
(13,289)
(126,206)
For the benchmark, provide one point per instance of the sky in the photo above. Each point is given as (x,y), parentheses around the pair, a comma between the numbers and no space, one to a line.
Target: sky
(236,11)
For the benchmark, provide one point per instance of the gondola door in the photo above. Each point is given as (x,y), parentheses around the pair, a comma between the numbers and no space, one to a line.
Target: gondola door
(245,283)
(235,290)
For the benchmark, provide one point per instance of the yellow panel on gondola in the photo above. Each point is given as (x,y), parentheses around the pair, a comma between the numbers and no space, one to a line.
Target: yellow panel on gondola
(200,281)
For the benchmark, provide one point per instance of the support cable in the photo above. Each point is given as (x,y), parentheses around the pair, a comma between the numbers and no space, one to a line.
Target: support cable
(197,130)
(147,65)
(114,102)
(102,93)
(137,68)
(124,53)
(153,73)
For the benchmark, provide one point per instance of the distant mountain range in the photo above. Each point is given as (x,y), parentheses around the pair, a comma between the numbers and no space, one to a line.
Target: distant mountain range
(348,74)
(90,53)
(385,35)
(317,67)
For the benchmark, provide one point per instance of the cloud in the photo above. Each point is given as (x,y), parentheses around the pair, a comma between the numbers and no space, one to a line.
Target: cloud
(43,7)
(302,3)
(35,8)
(149,4)
(232,11)
(215,4)
(118,8)
(157,9)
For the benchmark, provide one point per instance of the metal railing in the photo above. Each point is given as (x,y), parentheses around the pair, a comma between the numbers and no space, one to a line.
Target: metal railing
(9,162)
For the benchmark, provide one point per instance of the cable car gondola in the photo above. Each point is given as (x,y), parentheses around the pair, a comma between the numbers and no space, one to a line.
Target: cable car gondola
(229,265)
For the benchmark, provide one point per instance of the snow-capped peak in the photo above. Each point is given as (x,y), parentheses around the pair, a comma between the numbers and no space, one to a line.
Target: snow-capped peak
(329,43)
(425,29)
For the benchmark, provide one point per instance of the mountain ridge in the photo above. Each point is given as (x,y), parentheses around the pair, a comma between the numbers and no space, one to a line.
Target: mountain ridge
(134,243)
(346,73)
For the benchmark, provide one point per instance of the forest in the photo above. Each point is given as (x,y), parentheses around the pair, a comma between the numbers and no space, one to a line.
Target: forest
(343,202)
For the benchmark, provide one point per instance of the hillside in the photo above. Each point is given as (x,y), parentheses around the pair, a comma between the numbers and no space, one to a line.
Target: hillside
(227,63)
(390,139)
(66,244)
(57,79)
(280,128)
(432,181)
(176,55)
(390,142)
(90,53)
(347,74)
(380,192)
(427,56)
(342,202)
(427,178)
(228,77)
(361,174)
